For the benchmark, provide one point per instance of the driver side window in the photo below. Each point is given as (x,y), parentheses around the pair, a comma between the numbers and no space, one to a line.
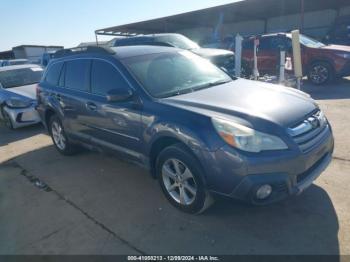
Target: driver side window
(105,77)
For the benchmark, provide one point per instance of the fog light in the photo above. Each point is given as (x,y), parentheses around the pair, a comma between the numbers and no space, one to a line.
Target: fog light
(263,192)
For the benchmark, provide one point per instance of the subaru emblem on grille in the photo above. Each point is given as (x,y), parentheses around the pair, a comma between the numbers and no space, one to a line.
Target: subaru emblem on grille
(314,122)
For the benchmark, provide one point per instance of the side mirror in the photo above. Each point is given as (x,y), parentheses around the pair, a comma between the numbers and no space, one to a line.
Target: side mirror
(119,95)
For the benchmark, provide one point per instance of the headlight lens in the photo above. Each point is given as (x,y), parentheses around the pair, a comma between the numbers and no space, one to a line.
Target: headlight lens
(18,103)
(245,138)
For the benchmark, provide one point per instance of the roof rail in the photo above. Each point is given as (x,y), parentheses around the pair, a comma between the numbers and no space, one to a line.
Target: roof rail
(83,50)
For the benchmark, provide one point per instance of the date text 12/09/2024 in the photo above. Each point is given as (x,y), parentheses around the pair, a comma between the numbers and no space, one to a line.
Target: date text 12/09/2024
(173,258)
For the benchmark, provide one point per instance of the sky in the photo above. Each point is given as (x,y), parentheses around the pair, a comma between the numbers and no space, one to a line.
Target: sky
(70,22)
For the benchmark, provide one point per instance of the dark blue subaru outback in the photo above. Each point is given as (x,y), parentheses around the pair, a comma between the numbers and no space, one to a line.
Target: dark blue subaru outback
(197,130)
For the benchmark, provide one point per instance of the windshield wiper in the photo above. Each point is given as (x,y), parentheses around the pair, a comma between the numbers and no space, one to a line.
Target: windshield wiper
(196,88)
(178,92)
(211,84)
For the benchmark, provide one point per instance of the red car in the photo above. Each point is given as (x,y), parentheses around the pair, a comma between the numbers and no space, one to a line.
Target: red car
(321,63)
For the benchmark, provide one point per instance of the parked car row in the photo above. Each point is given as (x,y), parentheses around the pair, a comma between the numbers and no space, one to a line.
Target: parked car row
(12,62)
(321,63)
(18,96)
(44,61)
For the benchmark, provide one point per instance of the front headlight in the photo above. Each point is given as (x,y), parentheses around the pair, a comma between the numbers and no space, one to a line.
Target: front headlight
(245,138)
(18,103)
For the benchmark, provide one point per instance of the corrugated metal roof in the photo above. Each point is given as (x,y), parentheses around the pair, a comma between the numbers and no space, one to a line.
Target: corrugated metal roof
(234,12)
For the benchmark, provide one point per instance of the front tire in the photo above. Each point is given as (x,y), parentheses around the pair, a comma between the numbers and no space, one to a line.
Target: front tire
(59,137)
(320,73)
(179,175)
(7,119)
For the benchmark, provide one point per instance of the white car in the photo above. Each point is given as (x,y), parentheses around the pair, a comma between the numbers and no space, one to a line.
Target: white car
(18,94)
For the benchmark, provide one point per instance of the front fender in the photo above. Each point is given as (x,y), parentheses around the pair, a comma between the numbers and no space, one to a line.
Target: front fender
(180,133)
(191,136)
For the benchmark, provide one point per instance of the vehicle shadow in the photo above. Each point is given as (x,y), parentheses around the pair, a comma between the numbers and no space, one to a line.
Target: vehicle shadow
(338,90)
(306,224)
(8,136)
(124,199)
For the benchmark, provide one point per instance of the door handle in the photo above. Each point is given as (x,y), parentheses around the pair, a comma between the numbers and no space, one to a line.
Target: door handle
(91,106)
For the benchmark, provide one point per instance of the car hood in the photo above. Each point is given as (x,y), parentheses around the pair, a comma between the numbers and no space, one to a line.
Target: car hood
(343,48)
(245,99)
(211,52)
(28,91)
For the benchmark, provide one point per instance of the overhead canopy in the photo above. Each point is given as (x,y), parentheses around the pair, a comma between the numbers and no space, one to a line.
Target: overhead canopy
(235,12)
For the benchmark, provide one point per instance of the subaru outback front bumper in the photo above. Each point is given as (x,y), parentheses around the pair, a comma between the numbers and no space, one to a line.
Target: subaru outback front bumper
(290,172)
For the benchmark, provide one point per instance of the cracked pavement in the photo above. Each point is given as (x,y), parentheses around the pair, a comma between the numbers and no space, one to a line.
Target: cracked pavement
(92,203)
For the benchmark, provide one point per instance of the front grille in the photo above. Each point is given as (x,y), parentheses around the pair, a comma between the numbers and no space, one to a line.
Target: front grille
(310,132)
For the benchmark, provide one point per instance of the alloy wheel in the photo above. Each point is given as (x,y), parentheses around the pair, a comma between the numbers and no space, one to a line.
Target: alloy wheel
(179,182)
(58,135)
(319,74)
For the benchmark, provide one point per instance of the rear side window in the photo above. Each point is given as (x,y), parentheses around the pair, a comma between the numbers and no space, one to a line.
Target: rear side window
(53,74)
(105,77)
(77,74)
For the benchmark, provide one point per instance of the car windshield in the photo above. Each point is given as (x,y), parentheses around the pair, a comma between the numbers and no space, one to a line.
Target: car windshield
(20,77)
(310,42)
(170,74)
(178,41)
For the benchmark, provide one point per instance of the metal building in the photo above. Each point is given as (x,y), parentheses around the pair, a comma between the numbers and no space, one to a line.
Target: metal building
(248,17)
(33,52)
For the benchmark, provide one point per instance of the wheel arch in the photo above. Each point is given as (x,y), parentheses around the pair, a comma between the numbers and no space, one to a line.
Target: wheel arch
(2,105)
(163,142)
(320,60)
(329,63)
(3,111)
(49,112)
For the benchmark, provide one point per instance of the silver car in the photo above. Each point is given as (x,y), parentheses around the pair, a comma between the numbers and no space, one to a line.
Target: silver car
(18,95)
(15,62)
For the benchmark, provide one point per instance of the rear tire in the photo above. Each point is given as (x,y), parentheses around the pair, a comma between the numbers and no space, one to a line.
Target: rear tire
(179,175)
(320,73)
(59,137)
